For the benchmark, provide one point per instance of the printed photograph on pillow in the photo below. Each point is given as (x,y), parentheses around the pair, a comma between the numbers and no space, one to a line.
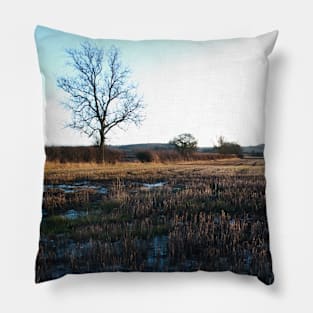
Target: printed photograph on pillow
(154,155)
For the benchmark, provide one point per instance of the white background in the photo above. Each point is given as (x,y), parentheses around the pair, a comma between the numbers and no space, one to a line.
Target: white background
(289,155)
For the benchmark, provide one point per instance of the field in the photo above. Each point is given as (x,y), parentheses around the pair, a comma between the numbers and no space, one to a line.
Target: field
(131,216)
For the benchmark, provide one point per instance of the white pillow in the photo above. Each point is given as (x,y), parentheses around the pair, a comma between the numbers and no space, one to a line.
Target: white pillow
(177,180)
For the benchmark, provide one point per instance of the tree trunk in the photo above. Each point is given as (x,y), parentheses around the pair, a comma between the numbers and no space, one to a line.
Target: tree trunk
(102,145)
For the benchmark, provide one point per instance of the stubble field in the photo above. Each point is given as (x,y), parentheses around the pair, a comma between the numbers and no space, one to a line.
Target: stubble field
(130,216)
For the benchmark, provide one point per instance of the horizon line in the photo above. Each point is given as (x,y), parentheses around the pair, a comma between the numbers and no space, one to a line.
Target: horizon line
(141,143)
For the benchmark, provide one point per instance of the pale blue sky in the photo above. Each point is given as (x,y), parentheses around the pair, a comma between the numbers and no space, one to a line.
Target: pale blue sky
(204,88)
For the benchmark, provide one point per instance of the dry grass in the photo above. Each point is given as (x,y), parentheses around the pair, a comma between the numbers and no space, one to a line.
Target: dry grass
(62,172)
(208,215)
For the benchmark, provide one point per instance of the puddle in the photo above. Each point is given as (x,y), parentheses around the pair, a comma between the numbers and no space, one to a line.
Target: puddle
(156,185)
(73,214)
(178,188)
(76,186)
(156,253)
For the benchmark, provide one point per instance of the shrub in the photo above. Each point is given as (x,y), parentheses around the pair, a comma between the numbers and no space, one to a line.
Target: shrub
(146,156)
(225,147)
(174,156)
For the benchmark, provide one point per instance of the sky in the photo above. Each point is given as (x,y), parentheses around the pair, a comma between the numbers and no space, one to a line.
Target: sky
(208,89)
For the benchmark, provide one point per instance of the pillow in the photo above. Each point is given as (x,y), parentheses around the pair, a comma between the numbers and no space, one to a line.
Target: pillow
(154,155)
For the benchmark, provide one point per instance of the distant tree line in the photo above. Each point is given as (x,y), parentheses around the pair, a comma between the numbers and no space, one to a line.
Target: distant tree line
(184,148)
(187,145)
(174,156)
(82,154)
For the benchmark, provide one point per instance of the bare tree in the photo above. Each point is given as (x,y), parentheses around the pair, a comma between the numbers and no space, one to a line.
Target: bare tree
(100,93)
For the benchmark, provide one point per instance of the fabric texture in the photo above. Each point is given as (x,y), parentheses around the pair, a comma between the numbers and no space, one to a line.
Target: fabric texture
(154,155)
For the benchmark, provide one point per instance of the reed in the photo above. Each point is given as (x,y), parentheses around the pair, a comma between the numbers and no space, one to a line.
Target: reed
(205,215)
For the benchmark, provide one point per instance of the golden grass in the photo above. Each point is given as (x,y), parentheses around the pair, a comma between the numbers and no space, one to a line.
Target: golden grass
(94,171)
